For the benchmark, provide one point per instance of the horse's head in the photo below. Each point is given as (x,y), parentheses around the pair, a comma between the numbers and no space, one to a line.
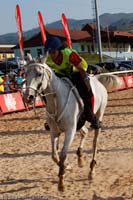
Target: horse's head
(38,77)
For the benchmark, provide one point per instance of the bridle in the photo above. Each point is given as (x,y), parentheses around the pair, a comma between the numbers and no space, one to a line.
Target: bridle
(49,77)
(42,93)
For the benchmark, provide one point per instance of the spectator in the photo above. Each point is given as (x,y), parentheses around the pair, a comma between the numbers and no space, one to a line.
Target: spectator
(13,84)
(20,79)
(6,83)
(1,85)
(11,74)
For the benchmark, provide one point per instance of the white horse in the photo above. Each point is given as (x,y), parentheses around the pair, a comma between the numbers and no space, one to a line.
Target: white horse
(64,107)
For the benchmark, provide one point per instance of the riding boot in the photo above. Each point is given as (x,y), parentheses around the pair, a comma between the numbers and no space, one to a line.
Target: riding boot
(95,123)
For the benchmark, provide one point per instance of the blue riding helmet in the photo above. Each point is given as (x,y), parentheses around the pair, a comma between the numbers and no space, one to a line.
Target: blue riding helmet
(52,44)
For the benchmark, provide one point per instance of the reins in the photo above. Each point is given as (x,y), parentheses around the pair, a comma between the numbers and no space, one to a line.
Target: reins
(63,111)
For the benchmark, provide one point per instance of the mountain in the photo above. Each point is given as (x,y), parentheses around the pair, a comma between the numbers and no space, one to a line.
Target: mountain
(12,38)
(73,23)
(115,22)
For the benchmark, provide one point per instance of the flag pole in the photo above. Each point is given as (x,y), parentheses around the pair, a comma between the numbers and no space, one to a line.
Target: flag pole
(19,27)
(66,30)
(98,32)
(42,27)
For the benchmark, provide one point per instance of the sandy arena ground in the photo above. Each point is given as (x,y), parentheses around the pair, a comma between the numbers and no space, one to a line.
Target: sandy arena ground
(28,172)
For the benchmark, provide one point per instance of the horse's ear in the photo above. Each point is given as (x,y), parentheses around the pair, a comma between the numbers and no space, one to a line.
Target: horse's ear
(44,58)
(29,57)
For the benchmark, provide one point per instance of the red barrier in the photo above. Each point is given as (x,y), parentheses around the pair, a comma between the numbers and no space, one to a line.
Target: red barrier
(11,102)
(38,103)
(128,81)
(122,84)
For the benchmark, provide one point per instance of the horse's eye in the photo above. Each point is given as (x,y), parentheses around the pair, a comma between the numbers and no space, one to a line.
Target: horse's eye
(39,74)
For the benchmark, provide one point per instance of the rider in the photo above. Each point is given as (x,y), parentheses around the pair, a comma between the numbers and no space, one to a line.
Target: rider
(66,62)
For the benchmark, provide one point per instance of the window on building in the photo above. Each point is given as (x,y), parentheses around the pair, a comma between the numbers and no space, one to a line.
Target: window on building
(82,48)
(89,50)
(39,52)
(92,48)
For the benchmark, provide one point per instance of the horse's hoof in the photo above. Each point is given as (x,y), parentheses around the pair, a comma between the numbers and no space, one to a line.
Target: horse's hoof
(80,163)
(61,188)
(91,176)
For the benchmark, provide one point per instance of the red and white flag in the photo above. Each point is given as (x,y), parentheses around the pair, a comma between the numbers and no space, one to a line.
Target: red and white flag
(66,30)
(19,27)
(42,28)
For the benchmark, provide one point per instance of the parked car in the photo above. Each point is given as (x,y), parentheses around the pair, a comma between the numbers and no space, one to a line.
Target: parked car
(94,69)
(123,66)
(108,65)
(1,73)
(5,66)
(17,61)
(128,64)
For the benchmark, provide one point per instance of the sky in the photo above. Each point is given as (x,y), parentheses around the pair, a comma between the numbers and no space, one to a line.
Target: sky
(52,9)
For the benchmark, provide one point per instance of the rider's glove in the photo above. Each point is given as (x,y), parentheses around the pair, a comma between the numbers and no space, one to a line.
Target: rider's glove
(87,82)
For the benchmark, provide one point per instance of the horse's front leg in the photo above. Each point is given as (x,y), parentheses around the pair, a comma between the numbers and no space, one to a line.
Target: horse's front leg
(93,162)
(63,154)
(83,133)
(55,143)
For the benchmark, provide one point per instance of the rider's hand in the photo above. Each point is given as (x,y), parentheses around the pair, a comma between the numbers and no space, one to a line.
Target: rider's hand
(87,82)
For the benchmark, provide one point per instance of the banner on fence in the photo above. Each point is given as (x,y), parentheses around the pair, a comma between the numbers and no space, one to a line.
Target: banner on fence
(125,82)
(122,84)
(128,81)
(11,102)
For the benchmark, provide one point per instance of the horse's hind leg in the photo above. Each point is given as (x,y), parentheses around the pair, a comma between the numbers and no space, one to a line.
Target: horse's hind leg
(83,133)
(93,162)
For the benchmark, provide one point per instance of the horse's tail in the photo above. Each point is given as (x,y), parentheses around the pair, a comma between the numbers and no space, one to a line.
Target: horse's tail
(110,81)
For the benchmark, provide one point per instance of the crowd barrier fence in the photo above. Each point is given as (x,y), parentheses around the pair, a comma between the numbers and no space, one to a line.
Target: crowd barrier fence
(12,102)
(126,79)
